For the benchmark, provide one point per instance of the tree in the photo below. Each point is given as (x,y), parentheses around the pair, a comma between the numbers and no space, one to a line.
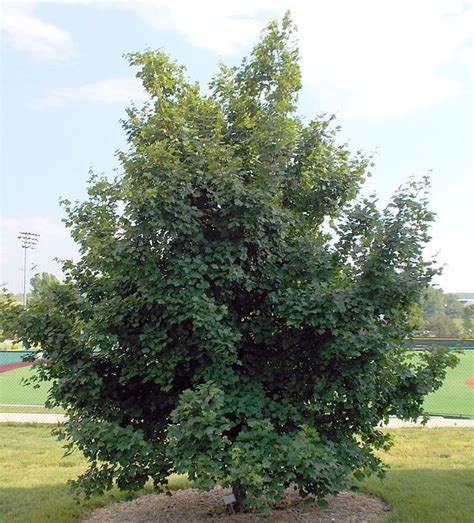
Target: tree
(42,285)
(467,315)
(439,309)
(453,308)
(433,303)
(235,314)
(442,325)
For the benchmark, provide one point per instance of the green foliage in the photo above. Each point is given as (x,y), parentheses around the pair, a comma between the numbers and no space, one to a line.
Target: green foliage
(433,303)
(235,312)
(442,325)
(10,309)
(41,285)
(453,306)
(467,315)
(440,310)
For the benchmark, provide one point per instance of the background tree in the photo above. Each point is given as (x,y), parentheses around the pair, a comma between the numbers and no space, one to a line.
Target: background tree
(433,303)
(443,314)
(442,325)
(453,307)
(213,325)
(41,285)
(467,315)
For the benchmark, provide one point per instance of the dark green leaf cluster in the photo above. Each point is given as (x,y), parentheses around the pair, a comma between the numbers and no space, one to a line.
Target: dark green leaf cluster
(234,314)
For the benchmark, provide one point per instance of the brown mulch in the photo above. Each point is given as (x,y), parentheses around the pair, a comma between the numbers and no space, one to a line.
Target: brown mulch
(192,506)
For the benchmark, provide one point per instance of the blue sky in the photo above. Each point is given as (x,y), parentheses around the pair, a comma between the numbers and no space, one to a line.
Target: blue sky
(397,74)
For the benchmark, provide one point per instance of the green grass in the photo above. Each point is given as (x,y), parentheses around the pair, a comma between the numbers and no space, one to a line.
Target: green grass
(431,477)
(454,398)
(33,477)
(13,392)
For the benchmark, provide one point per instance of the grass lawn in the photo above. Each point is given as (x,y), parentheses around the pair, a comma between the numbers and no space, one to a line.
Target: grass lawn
(431,477)
(33,478)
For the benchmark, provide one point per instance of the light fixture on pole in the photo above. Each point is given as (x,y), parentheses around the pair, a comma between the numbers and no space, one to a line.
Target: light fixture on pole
(29,240)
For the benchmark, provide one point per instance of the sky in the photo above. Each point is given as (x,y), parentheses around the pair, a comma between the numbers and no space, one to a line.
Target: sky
(398,76)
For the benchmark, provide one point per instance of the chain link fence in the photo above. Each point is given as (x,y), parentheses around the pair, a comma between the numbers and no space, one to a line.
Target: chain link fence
(22,403)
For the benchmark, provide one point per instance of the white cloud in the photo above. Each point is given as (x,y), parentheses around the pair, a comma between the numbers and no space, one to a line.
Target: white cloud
(384,59)
(366,58)
(223,27)
(54,242)
(41,40)
(114,90)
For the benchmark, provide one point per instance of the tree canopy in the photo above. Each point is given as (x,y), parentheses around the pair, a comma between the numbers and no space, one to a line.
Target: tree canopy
(440,311)
(236,313)
(42,283)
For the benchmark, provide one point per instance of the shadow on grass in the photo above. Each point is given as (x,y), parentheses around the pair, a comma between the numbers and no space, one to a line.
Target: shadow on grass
(427,495)
(54,502)
(48,503)
(414,495)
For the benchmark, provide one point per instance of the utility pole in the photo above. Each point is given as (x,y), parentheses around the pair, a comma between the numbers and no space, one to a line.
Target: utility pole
(29,240)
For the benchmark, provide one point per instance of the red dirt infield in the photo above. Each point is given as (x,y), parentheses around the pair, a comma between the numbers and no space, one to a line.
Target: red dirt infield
(11,366)
(470,382)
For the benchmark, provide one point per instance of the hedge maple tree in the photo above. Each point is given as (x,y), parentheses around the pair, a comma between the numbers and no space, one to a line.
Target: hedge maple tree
(237,309)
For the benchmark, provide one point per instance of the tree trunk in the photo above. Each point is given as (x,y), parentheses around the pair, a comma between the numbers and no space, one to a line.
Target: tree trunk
(239,492)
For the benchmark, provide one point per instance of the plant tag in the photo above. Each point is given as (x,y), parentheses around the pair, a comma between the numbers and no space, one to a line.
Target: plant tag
(229,499)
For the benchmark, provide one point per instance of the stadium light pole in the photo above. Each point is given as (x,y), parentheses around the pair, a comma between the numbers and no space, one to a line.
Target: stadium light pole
(29,240)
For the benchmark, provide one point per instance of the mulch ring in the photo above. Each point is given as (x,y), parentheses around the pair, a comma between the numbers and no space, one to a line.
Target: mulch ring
(470,382)
(12,366)
(192,506)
